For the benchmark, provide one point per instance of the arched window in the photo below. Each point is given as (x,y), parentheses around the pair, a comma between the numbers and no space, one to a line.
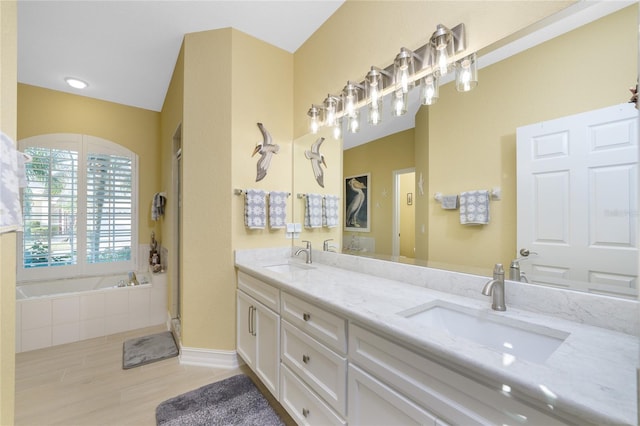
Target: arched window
(79,207)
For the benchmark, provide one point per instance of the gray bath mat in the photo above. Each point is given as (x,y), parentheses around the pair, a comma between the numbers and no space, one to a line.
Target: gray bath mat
(233,401)
(147,349)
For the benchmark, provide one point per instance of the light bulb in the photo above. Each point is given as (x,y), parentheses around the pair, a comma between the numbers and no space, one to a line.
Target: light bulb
(443,60)
(337,131)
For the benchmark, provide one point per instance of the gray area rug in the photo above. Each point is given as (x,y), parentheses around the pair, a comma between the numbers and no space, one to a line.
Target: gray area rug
(233,401)
(148,349)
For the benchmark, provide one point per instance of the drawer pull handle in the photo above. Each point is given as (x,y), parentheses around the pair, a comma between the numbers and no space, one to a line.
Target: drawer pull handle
(306,359)
(306,316)
(305,412)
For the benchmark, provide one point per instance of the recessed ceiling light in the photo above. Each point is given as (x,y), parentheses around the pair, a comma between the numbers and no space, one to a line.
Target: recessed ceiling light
(75,83)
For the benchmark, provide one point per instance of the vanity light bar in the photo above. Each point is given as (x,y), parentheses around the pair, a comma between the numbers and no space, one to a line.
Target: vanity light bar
(441,53)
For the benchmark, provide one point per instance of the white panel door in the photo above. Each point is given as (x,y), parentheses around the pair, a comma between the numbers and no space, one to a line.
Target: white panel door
(577,200)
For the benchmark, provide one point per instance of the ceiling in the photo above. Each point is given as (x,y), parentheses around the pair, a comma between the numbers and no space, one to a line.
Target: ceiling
(126,50)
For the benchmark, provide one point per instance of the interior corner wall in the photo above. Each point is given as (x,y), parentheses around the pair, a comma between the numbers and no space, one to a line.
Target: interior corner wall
(8,118)
(422,199)
(208,277)
(42,111)
(380,158)
(362,33)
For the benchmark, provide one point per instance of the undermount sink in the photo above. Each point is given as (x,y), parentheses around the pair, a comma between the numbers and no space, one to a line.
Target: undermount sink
(514,339)
(288,268)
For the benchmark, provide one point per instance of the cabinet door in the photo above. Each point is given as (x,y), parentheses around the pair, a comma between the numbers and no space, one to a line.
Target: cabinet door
(372,403)
(267,341)
(246,342)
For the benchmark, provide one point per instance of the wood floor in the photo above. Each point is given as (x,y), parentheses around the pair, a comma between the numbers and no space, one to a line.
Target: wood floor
(83,383)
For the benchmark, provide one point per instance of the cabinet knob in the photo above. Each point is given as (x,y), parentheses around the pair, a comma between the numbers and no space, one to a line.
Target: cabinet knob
(305,412)
(306,316)
(306,359)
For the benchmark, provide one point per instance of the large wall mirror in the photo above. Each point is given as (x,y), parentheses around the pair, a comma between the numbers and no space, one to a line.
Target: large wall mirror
(467,142)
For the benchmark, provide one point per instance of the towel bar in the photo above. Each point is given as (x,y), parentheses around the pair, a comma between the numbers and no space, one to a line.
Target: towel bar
(495,193)
(237,191)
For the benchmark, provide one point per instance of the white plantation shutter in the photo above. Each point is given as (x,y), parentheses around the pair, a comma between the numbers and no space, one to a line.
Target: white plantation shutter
(80,208)
(109,208)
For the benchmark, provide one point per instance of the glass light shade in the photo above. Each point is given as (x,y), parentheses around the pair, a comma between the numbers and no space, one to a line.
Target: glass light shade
(337,129)
(330,111)
(373,88)
(350,99)
(430,90)
(441,41)
(467,74)
(403,70)
(314,119)
(353,123)
(399,101)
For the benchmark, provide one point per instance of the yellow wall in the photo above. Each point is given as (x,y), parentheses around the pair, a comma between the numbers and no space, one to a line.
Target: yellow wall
(42,111)
(8,117)
(364,33)
(223,102)
(380,158)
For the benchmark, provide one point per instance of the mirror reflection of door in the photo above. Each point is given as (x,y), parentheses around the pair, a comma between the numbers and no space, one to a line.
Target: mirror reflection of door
(404,235)
(577,200)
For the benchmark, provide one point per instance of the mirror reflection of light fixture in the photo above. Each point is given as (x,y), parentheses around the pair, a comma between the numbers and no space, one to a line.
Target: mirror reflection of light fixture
(399,101)
(430,89)
(467,73)
(314,118)
(373,93)
(337,129)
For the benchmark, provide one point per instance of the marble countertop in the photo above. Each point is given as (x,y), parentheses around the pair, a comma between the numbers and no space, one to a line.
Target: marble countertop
(591,377)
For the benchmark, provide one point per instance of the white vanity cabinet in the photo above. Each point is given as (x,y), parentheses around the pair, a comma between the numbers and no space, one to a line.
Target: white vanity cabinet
(258,329)
(314,364)
(387,379)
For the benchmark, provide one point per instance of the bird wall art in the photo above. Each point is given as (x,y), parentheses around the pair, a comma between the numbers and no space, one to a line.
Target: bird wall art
(266,149)
(317,160)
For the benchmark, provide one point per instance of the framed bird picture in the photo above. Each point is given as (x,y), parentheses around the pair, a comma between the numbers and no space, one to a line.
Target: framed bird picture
(357,203)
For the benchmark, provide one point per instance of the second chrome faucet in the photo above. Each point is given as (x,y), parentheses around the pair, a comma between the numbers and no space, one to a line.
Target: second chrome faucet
(495,288)
(306,251)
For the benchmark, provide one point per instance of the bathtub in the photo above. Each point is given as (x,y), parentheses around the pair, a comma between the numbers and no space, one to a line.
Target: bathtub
(63,311)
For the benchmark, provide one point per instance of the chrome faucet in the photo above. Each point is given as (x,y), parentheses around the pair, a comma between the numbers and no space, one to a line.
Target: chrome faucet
(515,273)
(326,246)
(495,288)
(306,251)
(133,280)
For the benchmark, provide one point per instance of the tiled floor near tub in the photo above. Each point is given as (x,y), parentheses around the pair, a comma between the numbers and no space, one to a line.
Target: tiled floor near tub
(83,383)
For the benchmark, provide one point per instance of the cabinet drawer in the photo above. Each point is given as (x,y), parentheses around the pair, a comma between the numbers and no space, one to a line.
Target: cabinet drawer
(328,328)
(261,291)
(302,404)
(450,396)
(373,403)
(320,368)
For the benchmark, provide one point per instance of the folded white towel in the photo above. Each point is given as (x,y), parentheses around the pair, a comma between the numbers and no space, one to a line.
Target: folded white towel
(474,207)
(330,211)
(313,211)
(277,209)
(10,176)
(255,209)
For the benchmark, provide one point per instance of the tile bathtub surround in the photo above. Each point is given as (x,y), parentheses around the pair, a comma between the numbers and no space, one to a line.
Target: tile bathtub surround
(588,374)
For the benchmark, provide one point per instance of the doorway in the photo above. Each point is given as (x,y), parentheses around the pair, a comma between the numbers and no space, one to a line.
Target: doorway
(404,235)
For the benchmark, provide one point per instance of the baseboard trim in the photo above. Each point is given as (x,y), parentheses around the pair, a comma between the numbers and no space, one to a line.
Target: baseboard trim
(209,358)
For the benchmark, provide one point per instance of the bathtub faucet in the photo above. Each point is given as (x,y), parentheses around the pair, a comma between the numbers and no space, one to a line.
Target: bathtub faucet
(133,280)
